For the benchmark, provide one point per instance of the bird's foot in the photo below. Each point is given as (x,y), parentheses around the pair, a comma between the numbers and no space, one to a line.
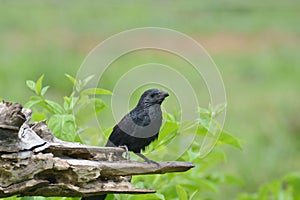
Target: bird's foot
(152,162)
(147,160)
(127,154)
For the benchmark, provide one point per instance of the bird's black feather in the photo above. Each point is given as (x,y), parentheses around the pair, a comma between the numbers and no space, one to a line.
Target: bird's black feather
(135,144)
(140,127)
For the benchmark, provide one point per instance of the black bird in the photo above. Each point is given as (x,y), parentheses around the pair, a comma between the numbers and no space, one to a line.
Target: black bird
(139,127)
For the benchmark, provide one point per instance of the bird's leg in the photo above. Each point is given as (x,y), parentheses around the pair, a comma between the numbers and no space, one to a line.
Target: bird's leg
(127,154)
(147,159)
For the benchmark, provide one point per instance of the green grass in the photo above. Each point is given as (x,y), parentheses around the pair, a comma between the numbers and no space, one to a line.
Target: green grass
(261,75)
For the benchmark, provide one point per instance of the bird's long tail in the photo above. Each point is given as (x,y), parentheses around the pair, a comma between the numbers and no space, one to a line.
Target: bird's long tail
(99,197)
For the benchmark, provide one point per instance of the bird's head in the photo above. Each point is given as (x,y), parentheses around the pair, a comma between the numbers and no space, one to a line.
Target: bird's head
(152,96)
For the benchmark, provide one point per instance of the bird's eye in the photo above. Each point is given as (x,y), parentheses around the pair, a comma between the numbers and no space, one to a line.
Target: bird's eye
(152,95)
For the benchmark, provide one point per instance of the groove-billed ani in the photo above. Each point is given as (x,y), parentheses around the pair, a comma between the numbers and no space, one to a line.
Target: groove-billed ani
(139,127)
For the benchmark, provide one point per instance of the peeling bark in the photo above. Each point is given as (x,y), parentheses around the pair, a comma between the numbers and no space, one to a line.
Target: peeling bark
(35,163)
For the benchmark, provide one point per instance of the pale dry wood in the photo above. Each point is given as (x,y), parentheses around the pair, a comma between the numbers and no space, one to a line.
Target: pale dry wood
(35,163)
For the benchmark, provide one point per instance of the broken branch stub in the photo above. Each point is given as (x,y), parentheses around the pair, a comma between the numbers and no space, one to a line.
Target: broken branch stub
(36,163)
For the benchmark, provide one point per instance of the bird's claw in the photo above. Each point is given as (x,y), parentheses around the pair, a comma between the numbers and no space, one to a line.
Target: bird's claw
(127,154)
(152,162)
(147,160)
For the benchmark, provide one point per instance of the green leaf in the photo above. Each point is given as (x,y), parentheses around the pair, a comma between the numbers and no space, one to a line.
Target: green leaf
(181,193)
(70,103)
(56,108)
(31,85)
(77,138)
(67,104)
(37,116)
(44,90)
(204,113)
(169,127)
(227,138)
(156,196)
(212,112)
(72,79)
(160,196)
(203,131)
(33,101)
(99,105)
(171,117)
(206,123)
(38,85)
(94,91)
(192,155)
(193,194)
(27,198)
(80,84)
(218,109)
(63,126)
(293,179)
(87,80)
(167,133)
(108,131)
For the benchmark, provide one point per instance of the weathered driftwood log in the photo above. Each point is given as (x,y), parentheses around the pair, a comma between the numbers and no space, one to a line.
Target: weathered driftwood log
(35,163)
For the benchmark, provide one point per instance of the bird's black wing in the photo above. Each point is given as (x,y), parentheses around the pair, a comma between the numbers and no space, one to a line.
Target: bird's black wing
(131,131)
(140,117)
(116,137)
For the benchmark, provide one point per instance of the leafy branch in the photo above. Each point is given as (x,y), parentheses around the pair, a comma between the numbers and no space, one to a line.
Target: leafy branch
(66,120)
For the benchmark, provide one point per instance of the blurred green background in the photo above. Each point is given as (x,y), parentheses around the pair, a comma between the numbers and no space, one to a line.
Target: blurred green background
(255,46)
